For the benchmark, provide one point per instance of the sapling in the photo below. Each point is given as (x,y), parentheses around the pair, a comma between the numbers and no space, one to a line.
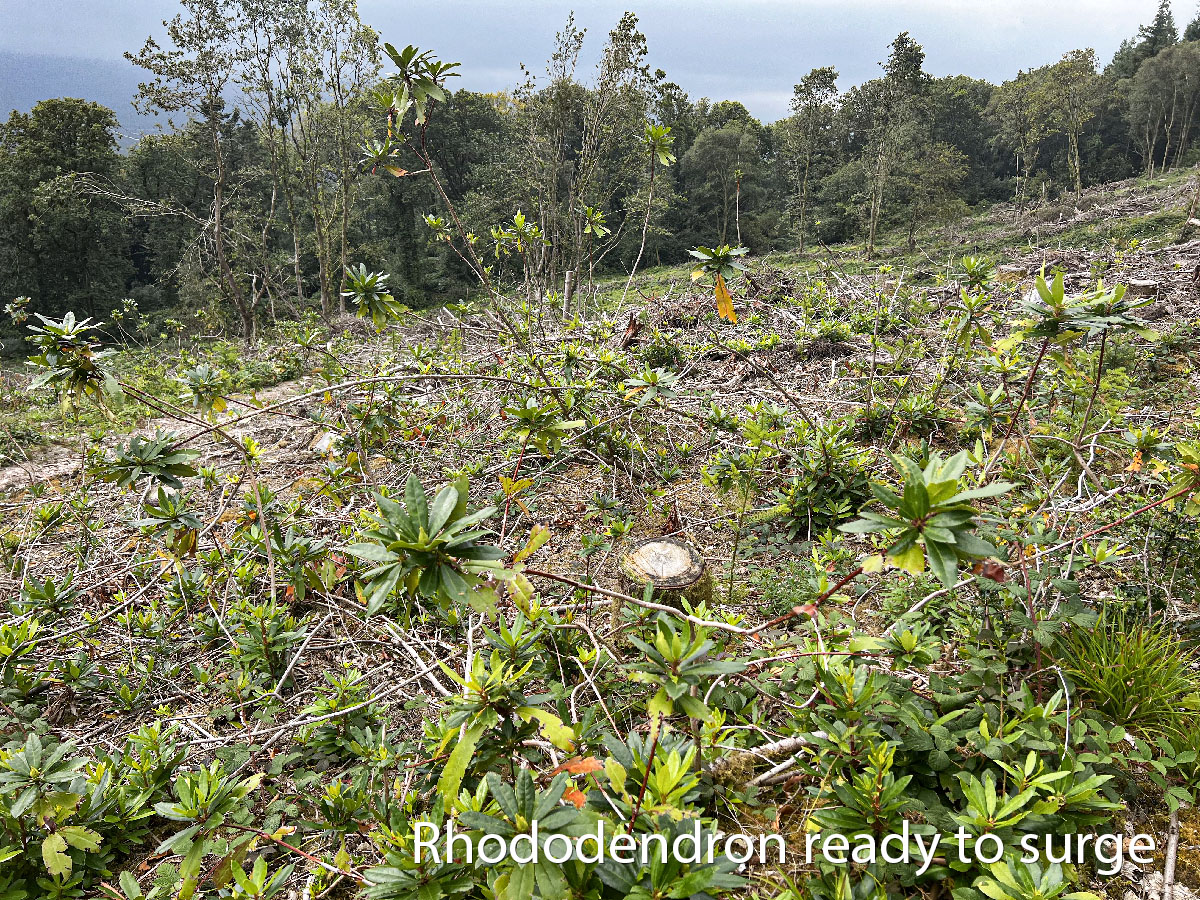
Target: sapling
(720,264)
(658,141)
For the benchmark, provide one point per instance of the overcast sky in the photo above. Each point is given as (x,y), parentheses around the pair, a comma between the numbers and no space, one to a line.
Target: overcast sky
(749,50)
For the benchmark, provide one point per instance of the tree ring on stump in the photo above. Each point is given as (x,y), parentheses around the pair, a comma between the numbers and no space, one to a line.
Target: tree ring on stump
(672,567)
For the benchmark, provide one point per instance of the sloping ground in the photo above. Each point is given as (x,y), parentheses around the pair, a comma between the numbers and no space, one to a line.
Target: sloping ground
(448,415)
(1045,223)
(659,420)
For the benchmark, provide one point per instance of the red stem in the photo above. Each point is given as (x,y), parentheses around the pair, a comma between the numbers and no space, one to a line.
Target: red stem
(320,862)
(509,499)
(637,809)
(1020,406)
(803,610)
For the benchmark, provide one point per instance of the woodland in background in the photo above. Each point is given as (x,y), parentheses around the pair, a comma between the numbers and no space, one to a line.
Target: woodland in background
(251,202)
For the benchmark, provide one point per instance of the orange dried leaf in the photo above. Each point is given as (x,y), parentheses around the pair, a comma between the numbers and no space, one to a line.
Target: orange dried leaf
(724,301)
(991,570)
(576,797)
(580,766)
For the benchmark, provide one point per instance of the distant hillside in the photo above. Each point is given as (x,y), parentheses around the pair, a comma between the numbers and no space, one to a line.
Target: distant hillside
(26,78)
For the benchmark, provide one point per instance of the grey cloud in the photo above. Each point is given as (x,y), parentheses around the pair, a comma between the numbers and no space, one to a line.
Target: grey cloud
(752,50)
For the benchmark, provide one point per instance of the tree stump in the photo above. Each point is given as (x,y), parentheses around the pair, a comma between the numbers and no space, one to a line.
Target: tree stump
(1142,287)
(673,568)
(1011,274)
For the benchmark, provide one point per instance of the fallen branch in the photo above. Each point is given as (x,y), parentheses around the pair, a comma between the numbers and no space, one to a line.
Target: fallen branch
(637,601)
(1168,887)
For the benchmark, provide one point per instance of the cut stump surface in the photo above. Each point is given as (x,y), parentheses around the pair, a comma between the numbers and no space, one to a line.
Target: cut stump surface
(673,568)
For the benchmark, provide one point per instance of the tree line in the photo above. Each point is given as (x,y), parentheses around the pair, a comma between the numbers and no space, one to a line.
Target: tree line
(269,180)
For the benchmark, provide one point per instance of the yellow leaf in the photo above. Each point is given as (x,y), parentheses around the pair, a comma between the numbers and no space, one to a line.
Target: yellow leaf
(724,301)
(616,773)
(538,535)
(54,855)
(551,726)
(521,590)
(872,564)
(512,488)
(660,704)
(697,274)
(864,644)
(911,560)
(397,171)
(1006,344)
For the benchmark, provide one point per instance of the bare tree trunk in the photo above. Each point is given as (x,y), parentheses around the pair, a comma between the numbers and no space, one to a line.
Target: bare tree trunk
(645,229)
(1151,144)
(1168,128)
(877,180)
(339,96)
(804,194)
(1185,131)
(1073,155)
(724,209)
(321,238)
(245,310)
(737,207)
(568,291)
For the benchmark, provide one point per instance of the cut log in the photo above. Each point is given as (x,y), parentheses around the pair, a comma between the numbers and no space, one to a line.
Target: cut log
(1011,274)
(671,567)
(1142,287)
(738,768)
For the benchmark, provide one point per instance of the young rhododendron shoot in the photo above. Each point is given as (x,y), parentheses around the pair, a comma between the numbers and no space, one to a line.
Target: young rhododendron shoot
(931,520)
(720,264)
